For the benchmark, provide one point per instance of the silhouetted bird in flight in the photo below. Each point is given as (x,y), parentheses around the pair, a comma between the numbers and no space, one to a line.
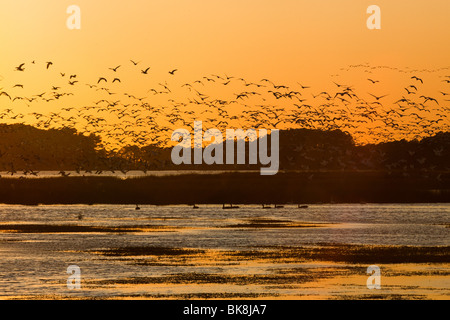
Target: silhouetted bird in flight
(173,71)
(49,63)
(339,85)
(6,94)
(20,67)
(303,87)
(378,98)
(429,99)
(418,79)
(145,71)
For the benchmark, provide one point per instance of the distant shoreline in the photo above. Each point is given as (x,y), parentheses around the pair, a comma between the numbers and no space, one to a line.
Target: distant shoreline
(232,188)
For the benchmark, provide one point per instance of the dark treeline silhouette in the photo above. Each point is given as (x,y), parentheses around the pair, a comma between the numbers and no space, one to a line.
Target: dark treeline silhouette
(25,148)
(237,188)
(319,166)
(304,149)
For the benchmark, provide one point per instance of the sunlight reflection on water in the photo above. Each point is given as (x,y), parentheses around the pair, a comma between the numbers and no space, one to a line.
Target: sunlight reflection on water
(34,263)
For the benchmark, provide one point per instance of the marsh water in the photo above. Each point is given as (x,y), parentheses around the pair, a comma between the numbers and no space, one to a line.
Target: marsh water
(34,260)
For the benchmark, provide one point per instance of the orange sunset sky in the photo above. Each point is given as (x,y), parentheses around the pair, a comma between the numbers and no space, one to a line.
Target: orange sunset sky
(314,43)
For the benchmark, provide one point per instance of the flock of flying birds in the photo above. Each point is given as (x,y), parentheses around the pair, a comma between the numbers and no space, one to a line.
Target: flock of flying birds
(122,118)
